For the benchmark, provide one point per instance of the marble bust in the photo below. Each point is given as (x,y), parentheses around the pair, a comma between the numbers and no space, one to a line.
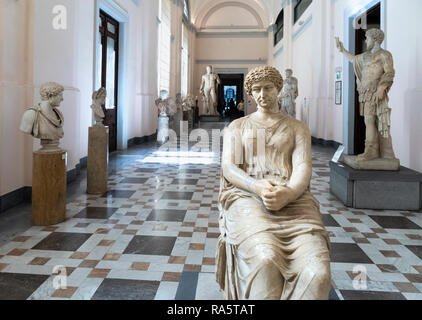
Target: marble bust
(163,104)
(289,94)
(375,74)
(209,85)
(98,99)
(45,121)
(188,103)
(273,243)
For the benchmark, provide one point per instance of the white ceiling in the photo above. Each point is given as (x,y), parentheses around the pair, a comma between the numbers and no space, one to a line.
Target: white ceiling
(199,8)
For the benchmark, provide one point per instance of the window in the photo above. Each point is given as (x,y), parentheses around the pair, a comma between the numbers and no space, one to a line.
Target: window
(164,46)
(279,28)
(186,9)
(185,61)
(300,8)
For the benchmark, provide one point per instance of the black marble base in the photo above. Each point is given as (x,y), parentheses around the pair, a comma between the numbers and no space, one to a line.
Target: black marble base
(379,190)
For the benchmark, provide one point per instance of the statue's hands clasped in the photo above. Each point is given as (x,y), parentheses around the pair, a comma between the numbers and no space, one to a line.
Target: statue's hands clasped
(275,196)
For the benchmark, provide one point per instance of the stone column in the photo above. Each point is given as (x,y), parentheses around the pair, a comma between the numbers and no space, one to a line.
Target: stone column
(97,170)
(49,188)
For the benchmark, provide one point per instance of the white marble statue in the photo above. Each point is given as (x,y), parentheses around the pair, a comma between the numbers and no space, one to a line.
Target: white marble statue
(188,103)
(98,99)
(273,244)
(289,94)
(178,104)
(375,76)
(209,86)
(164,104)
(45,121)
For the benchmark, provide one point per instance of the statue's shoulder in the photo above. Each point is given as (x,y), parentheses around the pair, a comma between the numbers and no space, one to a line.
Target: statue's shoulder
(30,114)
(299,127)
(238,123)
(387,55)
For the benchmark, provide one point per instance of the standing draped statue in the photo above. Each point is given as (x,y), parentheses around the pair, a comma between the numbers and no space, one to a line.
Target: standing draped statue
(45,121)
(289,94)
(209,87)
(273,243)
(375,74)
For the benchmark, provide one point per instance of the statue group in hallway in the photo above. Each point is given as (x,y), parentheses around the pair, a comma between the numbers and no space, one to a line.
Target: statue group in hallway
(375,74)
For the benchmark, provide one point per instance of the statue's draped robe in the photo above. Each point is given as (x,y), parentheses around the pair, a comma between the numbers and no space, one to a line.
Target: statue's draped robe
(46,127)
(295,235)
(367,66)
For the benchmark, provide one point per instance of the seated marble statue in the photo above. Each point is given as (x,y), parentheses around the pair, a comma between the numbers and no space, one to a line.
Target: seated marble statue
(45,121)
(273,243)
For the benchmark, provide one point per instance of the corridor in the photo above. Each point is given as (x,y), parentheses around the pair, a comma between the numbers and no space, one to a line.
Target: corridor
(154,236)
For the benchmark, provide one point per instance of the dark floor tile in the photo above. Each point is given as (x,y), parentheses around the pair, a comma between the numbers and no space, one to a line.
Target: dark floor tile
(371,295)
(319,165)
(348,253)
(167,215)
(122,194)
(117,289)
(135,180)
(60,241)
(146,170)
(329,221)
(191,171)
(395,222)
(19,286)
(96,213)
(150,245)
(188,182)
(417,250)
(187,286)
(177,195)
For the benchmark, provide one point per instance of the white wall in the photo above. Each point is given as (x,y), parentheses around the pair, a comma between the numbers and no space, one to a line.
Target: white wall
(37,53)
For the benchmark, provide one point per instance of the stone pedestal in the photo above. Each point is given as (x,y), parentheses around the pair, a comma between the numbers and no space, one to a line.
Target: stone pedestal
(382,190)
(163,129)
(190,119)
(97,169)
(49,188)
(195,117)
(377,164)
(178,117)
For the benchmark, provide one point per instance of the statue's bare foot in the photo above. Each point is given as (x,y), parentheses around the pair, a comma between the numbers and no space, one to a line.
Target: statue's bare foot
(370,154)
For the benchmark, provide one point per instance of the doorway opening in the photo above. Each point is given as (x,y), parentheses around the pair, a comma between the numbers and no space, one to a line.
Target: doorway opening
(231,93)
(373,21)
(109,73)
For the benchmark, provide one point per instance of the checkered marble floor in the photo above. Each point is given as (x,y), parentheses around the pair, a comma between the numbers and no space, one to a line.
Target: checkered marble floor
(154,236)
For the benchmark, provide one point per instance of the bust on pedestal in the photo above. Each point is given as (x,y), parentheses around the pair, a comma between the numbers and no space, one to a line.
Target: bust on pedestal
(45,122)
(97,170)
(163,104)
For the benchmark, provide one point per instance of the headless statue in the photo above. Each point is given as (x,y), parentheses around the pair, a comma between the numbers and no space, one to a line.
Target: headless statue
(98,99)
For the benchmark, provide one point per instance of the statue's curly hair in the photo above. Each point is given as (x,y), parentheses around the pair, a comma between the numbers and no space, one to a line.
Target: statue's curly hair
(376,34)
(261,74)
(50,89)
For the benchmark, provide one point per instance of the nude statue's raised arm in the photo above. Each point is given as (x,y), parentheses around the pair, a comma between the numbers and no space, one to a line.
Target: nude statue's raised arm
(347,54)
(302,162)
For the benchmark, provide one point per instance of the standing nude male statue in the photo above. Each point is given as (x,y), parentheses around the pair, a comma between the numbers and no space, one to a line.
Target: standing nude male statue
(209,86)
(375,76)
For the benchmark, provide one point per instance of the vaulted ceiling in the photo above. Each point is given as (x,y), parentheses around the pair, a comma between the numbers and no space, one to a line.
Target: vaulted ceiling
(249,14)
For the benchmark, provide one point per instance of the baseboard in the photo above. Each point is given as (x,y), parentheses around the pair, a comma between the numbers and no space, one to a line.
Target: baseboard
(24,194)
(137,141)
(15,198)
(326,143)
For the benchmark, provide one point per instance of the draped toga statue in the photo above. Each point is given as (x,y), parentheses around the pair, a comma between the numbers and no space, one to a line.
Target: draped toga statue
(273,243)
